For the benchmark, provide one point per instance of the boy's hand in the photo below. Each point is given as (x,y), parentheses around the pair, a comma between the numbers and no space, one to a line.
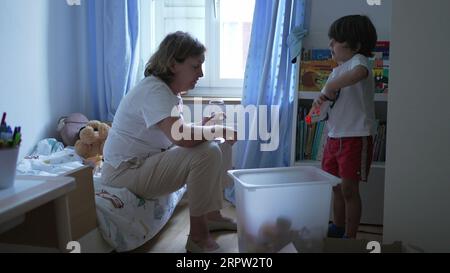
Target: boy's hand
(330,94)
(319,100)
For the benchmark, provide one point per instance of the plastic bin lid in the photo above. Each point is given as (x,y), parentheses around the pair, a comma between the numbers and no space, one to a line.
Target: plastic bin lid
(285,176)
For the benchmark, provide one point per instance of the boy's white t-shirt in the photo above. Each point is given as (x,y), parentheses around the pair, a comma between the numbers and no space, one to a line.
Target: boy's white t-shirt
(134,133)
(353,114)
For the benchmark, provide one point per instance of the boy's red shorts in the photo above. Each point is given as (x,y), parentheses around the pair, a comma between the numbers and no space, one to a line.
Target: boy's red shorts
(348,157)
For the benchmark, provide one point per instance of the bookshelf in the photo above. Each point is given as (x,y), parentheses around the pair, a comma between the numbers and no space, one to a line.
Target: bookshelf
(312,73)
(305,98)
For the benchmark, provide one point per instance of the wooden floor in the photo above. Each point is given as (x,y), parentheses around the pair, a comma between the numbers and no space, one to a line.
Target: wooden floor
(173,236)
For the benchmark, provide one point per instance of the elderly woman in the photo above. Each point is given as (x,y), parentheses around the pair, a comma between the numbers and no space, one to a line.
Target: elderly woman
(147,150)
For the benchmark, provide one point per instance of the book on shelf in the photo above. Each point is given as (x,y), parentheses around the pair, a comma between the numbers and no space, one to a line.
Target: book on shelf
(300,136)
(316,54)
(322,143)
(379,143)
(314,74)
(383,47)
(311,139)
(380,66)
(315,67)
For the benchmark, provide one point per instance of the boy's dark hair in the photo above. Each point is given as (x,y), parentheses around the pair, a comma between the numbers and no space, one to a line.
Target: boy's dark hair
(356,30)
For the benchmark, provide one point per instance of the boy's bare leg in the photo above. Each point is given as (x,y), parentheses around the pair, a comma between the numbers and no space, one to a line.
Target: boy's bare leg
(352,198)
(338,207)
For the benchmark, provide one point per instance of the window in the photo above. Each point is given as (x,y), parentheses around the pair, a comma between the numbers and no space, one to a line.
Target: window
(224,26)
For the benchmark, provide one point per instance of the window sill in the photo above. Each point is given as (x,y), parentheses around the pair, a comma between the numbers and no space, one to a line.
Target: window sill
(206,94)
(206,100)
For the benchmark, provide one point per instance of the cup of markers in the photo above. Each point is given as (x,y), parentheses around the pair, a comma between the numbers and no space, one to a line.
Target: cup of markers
(9,150)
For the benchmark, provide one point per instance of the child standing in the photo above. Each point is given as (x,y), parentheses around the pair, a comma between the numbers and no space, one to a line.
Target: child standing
(351,118)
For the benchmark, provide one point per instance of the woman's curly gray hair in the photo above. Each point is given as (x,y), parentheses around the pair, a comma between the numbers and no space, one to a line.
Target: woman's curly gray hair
(176,47)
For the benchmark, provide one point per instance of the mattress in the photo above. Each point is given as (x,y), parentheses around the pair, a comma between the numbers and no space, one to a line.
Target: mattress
(125,220)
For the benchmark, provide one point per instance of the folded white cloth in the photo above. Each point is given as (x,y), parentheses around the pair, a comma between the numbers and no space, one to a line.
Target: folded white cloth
(56,163)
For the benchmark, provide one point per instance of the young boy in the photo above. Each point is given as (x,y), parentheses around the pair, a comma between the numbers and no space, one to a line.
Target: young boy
(351,118)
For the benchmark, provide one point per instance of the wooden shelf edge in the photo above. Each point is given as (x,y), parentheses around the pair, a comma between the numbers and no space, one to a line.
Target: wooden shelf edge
(310,95)
(375,164)
(307,163)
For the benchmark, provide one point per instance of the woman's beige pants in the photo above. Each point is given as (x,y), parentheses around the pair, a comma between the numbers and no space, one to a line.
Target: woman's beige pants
(203,168)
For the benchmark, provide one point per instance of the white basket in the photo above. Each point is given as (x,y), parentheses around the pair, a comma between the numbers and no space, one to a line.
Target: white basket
(278,206)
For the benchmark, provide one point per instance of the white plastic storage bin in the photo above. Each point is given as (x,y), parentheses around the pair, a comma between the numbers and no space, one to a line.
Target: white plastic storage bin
(279,206)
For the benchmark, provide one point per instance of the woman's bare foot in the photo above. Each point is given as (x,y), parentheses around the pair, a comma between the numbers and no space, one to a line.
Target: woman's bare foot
(199,235)
(207,244)
(217,216)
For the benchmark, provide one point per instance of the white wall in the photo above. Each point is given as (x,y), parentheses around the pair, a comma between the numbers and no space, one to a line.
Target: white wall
(39,65)
(323,13)
(417,193)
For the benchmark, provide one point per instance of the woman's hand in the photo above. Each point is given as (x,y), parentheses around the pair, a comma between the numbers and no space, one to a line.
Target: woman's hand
(230,135)
(217,116)
(206,119)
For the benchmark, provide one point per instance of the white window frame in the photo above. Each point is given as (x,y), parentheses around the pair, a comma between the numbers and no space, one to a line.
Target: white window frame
(210,85)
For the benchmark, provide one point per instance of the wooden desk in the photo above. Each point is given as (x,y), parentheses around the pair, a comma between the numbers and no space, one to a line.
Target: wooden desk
(31,192)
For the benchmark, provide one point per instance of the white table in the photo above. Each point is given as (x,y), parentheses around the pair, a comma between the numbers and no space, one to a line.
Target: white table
(30,192)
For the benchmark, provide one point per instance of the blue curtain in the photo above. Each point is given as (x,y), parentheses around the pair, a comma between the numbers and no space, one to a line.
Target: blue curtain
(270,77)
(113,53)
(276,41)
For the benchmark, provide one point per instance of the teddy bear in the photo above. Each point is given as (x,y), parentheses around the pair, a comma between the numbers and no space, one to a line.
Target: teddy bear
(91,139)
(273,236)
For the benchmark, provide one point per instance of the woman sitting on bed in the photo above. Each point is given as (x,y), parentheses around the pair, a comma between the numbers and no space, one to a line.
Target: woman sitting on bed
(145,153)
